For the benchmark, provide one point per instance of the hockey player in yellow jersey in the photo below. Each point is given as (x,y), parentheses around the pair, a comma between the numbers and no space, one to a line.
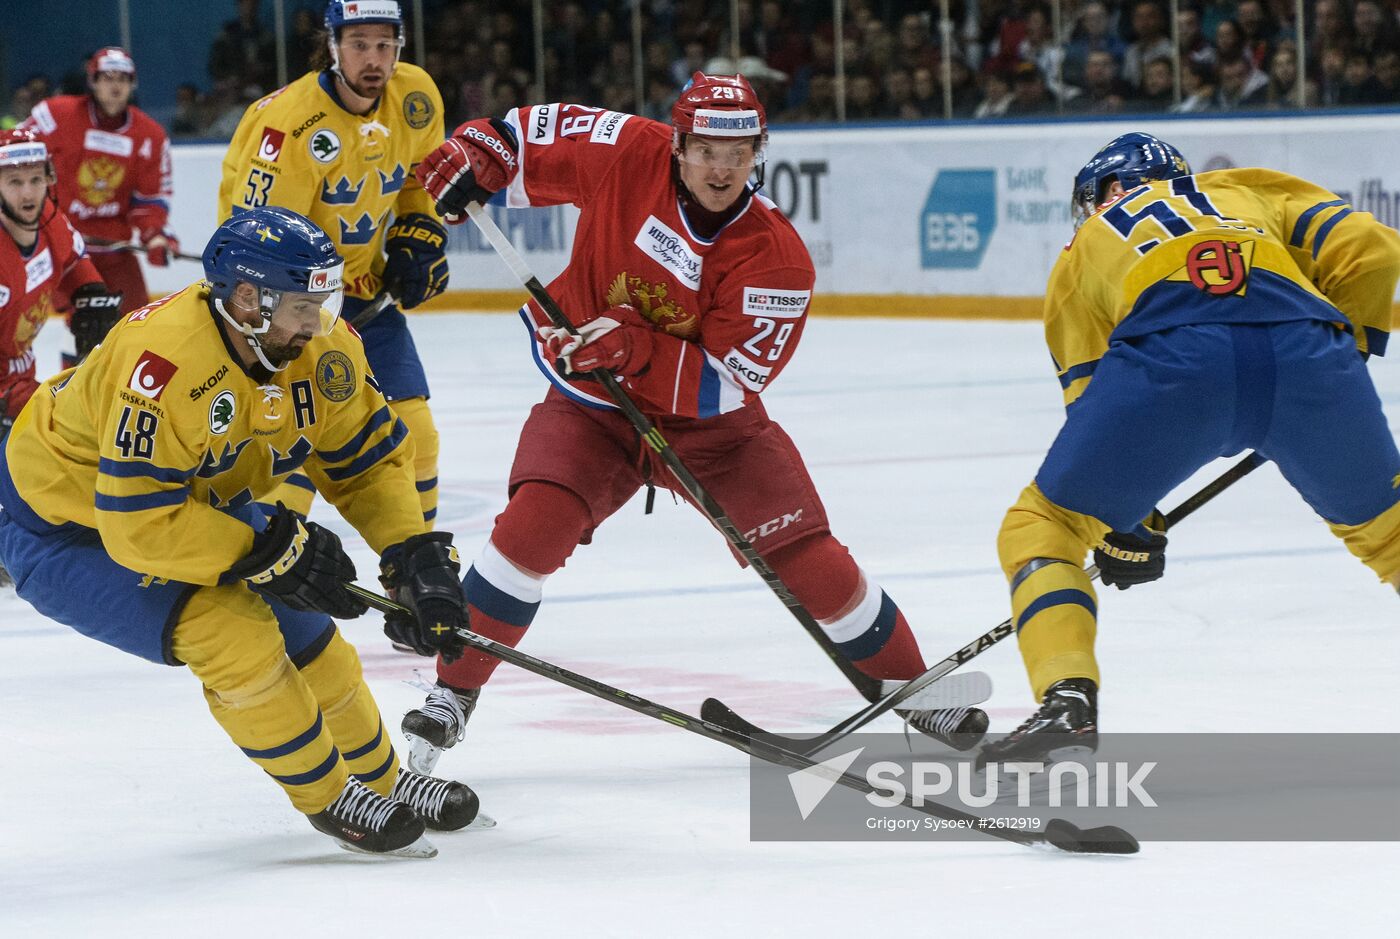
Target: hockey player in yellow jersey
(1193,317)
(339,146)
(129,511)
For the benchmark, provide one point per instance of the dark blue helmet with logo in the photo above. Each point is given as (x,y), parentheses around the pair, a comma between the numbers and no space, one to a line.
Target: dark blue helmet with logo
(275,248)
(279,252)
(1131,159)
(353,12)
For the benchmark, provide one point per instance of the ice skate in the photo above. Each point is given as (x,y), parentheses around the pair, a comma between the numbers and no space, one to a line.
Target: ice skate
(1065,726)
(437,725)
(362,820)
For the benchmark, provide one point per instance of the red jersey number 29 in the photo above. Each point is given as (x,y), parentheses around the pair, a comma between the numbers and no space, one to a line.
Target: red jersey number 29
(765,330)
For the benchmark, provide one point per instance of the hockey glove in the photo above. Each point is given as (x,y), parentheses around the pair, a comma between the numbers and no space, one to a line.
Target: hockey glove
(1128,558)
(416,269)
(160,246)
(95,311)
(301,564)
(475,163)
(424,574)
(619,340)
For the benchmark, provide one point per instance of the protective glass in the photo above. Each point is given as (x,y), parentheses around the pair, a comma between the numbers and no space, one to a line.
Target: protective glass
(719,153)
(300,314)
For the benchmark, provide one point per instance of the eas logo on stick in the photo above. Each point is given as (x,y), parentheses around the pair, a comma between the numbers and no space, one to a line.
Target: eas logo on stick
(151,375)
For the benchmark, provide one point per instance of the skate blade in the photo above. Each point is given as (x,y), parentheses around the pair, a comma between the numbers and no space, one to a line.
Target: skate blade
(480,823)
(961,690)
(422,848)
(422,755)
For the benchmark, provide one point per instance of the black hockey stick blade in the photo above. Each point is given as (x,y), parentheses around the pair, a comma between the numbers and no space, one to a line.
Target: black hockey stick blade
(1106,839)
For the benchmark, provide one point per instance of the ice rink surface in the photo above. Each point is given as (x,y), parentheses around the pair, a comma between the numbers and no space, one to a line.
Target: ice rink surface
(125,811)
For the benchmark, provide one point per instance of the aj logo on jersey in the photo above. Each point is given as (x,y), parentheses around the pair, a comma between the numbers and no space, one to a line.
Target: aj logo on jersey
(151,375)
(1220,268)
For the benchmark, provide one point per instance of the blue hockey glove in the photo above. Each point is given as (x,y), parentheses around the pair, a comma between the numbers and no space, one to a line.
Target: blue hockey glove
(416,267)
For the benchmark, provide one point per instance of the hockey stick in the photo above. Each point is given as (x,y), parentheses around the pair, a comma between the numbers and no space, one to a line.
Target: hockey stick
(131,247)
(717,712)
(1059,833)
(868,687)
(366,316)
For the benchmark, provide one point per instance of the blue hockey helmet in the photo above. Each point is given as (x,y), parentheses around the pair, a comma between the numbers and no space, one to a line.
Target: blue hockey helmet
(1131,159)
(342,13)
(299,274)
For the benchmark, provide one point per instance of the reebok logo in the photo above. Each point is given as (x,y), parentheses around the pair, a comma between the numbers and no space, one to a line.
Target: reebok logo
(492,144)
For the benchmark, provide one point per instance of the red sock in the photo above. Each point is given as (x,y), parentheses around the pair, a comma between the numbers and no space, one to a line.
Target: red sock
(532,539)
(861,619)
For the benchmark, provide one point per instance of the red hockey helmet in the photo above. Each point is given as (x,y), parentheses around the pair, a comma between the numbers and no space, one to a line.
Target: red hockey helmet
(111,59)
(20,147)
(719,106)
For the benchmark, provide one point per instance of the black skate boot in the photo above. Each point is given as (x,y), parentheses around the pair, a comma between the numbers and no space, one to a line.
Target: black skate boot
(5,579)
(1065,726)
(360,819)
(959,728)
(444,805)
(437,725)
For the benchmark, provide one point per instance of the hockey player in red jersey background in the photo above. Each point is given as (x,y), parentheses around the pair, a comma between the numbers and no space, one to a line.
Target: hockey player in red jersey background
(42,261)
(113,166)
(692,288)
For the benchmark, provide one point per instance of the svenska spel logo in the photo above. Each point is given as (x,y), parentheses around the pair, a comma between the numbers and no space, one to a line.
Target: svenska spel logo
(150,376)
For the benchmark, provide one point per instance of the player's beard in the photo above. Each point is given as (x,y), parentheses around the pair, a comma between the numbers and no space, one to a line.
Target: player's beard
(366,90)
(27,220)
(288,350)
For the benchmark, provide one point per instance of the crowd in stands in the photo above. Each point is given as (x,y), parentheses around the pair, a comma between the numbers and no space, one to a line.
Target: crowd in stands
(1006,58)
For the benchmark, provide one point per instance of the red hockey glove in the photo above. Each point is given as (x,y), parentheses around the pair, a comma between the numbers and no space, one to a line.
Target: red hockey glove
(160,246)
(475,163)
(619,340)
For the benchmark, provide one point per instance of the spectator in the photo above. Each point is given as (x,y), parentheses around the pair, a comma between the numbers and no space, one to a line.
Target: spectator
(1257,31)
(1197,88)
(1093,33)
(915,48)
(1374,27)
(996,95)
(1151,40)
(1156,91)
(862,98)
(189,118)
(1332,69)
(928,96)
(1030,95)
(899,101)
(245,53)
(1359,85)
(1104,91)
(1229,42)
(688,64)
(1283,78)
(1331,27)
(1040,49)
(1194,45)
(820,104)
(1242,86)
(1387,69)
